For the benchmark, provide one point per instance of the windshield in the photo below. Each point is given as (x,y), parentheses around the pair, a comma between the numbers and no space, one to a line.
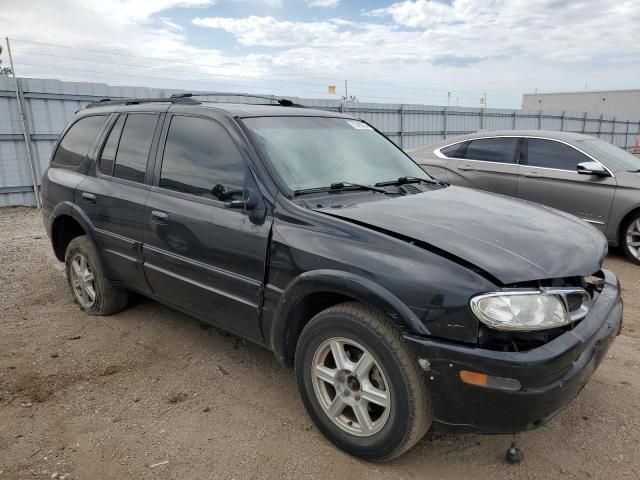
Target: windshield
(315,152)
(613,157)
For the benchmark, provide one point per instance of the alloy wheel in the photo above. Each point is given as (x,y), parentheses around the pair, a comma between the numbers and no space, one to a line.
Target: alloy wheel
(82,281)
(351,387)
(633,238)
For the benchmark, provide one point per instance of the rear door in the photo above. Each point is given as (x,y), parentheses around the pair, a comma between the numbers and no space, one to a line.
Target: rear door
(199,254)
(548,175)
(486,164)
(115,197)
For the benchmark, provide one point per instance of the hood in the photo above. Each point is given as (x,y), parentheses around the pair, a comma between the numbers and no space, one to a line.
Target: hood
(512,240)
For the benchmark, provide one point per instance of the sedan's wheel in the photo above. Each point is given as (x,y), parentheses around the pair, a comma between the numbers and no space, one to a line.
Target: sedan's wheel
(631,239)
(351,387)
(92,291)
(361,385)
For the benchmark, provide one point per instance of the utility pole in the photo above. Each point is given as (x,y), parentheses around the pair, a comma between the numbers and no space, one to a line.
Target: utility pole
(448,98)
(346,91)
(25,127)
(485,100)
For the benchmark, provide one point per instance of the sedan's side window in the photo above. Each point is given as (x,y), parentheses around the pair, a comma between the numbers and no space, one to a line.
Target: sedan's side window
(200,158)
(551,154)
(134,146)
(501,150)
(454,151)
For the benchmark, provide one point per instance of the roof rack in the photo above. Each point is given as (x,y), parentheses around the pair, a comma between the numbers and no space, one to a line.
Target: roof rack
(136,101)
(187,98)
(280,101)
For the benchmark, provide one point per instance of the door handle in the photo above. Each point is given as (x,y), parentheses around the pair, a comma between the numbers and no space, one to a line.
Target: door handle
(88,197)
(159,217)
(466,168)
(531,174)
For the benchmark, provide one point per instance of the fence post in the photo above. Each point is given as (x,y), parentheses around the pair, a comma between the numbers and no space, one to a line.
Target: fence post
(600,125)
(444,117)
(482,118)
(584,123)
(562,122)
(25,127)
(613,130)
(626,137)
(402,125)
(513,126)
(539,119)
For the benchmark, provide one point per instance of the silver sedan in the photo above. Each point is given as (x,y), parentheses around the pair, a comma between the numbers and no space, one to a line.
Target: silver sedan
(580,174)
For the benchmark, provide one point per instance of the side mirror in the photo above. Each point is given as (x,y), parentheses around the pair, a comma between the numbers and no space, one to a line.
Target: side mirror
(592,168)
(248,203)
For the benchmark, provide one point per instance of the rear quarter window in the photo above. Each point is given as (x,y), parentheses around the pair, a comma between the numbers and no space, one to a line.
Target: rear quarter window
(77,141)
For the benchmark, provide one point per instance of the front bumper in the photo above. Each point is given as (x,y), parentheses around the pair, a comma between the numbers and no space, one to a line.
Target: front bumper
(551,375)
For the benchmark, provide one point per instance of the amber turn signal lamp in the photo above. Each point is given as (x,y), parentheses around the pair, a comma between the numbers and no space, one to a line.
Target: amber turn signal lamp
(488,381)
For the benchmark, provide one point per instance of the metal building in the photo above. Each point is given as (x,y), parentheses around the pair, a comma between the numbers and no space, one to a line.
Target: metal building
(621,104)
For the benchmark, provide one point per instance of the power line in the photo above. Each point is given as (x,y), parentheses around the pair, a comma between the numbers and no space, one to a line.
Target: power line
(182,80)
(288,74)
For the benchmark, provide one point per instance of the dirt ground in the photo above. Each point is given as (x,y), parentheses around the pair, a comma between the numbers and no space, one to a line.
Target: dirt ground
(152,394)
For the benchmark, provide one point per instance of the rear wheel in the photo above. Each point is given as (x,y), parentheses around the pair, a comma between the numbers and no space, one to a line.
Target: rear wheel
(91,290)
(360,384)
(631,239)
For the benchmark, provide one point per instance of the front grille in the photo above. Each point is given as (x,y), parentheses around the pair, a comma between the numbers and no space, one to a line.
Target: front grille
(574,301)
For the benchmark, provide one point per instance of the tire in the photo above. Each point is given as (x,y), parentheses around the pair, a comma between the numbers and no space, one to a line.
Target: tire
(349,328)
(629,235)
(85,274)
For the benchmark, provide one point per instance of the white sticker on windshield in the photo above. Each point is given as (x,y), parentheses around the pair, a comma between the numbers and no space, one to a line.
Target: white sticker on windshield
(359,125)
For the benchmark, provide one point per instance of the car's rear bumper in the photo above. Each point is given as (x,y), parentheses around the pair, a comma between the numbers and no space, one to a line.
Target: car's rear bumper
(551,375)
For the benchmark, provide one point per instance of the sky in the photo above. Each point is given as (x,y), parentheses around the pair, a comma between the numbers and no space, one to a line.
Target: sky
(411,51)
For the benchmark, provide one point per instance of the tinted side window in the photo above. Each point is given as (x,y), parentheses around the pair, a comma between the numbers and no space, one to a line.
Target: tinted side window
(454,151)
(201,159)
(501,150)
(78,140)
(108,156)
(133,149)
(550,154)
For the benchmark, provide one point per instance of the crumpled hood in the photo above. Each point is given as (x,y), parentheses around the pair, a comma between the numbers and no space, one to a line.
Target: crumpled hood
(512,240)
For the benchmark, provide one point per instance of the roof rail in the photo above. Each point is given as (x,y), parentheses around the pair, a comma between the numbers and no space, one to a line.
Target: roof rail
(280,101)
(187,99)
(136,101)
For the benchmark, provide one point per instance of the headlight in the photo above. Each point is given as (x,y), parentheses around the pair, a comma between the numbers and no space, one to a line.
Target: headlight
(530,309)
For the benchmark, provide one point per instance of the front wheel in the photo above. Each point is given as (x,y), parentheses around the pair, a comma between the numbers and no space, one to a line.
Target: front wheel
(360,384)
(631,239)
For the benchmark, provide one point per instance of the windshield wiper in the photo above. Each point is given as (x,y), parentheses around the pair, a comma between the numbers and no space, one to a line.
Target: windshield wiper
(338,186)
(405,180)
(634,171)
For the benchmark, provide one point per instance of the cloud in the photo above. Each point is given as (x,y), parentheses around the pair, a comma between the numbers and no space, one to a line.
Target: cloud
(323,3)
(554,29)
(480,45)
(269,32)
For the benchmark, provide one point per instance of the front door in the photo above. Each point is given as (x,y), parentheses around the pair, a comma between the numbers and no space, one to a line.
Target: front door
(548,175)
(199,254)
(486,164)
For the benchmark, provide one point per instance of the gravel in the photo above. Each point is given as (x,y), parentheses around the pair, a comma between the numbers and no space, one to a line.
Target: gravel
(124,396)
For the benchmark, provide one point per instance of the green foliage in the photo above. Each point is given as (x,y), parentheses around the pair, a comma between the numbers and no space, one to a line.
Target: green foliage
(4,70)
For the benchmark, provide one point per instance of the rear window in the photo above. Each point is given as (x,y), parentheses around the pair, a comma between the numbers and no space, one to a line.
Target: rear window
(75,144)
(134,146)
(502,150)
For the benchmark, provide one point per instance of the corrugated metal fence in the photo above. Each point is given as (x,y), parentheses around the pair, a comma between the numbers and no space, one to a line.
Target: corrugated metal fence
(48,104)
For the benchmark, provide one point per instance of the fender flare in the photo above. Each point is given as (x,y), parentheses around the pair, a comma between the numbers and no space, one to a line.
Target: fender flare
(72,210)
(361,289)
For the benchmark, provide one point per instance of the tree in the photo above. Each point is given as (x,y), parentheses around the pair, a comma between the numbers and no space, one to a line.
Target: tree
(4,70)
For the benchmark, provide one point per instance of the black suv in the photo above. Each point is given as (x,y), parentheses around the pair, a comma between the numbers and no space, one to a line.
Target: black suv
(403,303)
